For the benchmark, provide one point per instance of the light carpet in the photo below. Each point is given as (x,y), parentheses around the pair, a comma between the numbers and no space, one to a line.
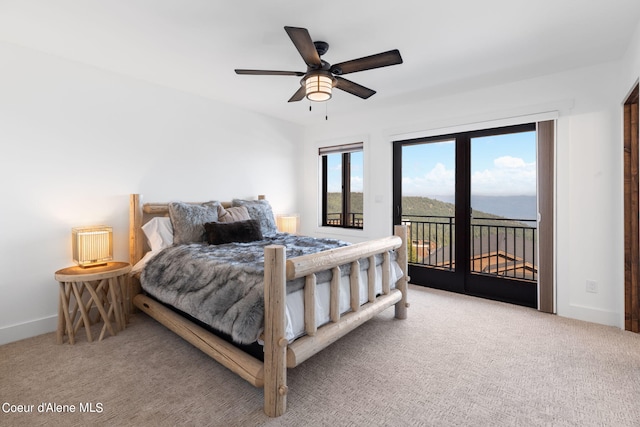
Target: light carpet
(456,361)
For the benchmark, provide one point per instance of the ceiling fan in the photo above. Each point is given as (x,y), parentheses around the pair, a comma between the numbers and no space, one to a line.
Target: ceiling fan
(321,77)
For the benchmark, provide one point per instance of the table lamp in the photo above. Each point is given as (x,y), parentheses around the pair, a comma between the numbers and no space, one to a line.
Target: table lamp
(92,246)
(287,223)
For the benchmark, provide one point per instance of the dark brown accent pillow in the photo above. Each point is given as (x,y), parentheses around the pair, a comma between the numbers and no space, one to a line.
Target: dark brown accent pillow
(227,232)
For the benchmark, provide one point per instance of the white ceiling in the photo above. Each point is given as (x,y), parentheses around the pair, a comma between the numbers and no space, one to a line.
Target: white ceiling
(194,45)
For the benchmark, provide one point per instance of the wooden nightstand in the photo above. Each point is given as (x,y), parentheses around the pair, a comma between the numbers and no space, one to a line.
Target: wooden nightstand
(106,286)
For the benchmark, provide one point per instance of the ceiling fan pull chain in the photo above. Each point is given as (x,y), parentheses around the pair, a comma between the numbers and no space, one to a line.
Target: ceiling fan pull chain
(326,111)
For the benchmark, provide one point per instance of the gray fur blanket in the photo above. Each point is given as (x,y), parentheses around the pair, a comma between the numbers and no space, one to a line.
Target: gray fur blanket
(222,285)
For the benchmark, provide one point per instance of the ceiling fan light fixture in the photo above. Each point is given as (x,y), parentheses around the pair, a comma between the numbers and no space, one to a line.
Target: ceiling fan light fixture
(318,81)
(318,87)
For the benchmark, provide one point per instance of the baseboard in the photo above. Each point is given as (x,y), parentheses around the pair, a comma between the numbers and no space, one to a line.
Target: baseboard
(28,329)
(594,315)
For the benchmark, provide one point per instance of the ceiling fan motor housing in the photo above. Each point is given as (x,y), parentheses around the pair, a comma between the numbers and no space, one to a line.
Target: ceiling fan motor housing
(321,47)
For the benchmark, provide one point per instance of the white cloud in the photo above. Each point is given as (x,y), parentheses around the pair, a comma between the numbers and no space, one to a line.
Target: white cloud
(509,162)
(356,184)
(510,176)
(438,181)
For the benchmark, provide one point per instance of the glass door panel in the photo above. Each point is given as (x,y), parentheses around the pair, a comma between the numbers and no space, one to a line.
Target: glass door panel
(503,235)
(428,202)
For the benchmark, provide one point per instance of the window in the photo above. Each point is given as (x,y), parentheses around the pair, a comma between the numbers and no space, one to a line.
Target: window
(342,179)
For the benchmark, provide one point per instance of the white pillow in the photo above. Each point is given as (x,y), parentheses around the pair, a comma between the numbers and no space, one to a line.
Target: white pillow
(159,232)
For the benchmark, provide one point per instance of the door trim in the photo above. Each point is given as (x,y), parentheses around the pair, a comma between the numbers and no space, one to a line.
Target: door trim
(631,213)
(546,137)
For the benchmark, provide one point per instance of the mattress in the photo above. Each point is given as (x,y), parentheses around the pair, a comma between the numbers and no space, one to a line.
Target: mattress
(295,300)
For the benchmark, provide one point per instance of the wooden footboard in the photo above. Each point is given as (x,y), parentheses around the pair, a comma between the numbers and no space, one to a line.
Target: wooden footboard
(308,265)
(278,353)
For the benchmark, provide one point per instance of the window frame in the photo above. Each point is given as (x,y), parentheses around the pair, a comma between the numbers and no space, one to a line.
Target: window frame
(345,150)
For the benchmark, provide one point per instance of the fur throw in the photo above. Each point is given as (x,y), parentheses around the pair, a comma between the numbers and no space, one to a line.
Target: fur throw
(222,285)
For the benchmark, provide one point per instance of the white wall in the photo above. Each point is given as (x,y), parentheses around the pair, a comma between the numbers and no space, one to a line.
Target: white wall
(75,141)
(631,64)
(589,241)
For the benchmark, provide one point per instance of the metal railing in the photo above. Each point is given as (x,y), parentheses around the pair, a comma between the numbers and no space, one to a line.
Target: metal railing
(430,240)
(354,219)
(503,247)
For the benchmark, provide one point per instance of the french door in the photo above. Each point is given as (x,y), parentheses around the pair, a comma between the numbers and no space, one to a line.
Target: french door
(470,202)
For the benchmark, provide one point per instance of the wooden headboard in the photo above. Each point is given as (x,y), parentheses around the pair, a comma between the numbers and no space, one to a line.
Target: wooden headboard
(141,213)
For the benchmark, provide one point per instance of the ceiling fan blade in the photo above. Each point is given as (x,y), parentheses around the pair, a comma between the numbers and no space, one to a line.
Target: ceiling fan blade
(302,41)
(270,73)
(383,59)
(299,95)
(354,88)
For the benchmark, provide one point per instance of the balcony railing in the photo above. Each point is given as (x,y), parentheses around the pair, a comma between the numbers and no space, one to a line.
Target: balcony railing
(354,219)
(498,246)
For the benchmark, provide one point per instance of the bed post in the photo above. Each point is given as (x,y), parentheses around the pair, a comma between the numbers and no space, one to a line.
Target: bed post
(275,343)
(135,222)
(401,306)
(135,246)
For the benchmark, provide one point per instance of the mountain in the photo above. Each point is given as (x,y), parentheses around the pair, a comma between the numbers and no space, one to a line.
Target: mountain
(517,207)
(334,202)
(416,205)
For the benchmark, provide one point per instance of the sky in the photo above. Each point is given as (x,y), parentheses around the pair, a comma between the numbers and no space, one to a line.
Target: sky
(503,165)
(334,169)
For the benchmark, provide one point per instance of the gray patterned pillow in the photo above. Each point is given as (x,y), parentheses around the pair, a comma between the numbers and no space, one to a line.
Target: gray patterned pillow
(188,220)
(232,214)
(260,210)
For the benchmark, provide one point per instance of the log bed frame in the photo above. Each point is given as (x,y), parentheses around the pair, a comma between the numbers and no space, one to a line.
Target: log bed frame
(271,375)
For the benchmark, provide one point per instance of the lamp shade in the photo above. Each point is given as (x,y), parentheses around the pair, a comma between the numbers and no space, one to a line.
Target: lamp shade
(318,87)
(92,246)
(287,223)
